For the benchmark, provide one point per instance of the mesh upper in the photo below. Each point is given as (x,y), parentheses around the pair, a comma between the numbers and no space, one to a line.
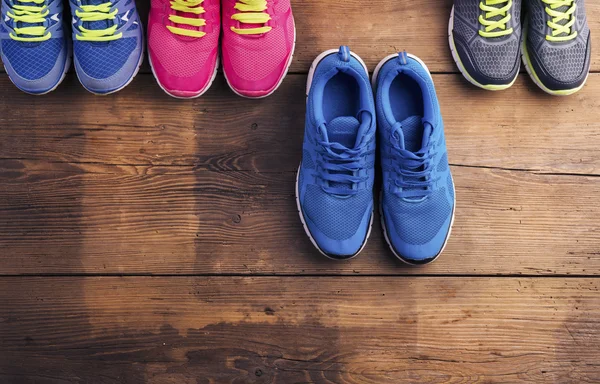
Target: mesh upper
(495,61)
(32,61)
(254,58)
(182,57)
(494,57)
(337,218)
(443,164)
(417,223)
(102,60)
(307,160)
(565,62)
(463,29)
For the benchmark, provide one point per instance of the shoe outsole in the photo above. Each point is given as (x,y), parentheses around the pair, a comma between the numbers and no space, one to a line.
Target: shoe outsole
(383,226)
(67,66)
(533,75)
(311,74)
(288,65)
(463,70)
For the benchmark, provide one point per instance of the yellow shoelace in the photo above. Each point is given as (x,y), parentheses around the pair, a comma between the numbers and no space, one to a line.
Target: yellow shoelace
(188,6)
(30,14)
(98,13)
(495,28)
(251,12)
(557,17)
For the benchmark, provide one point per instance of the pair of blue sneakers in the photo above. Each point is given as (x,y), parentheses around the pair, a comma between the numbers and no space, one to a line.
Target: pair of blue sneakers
(334,187)
(107,43)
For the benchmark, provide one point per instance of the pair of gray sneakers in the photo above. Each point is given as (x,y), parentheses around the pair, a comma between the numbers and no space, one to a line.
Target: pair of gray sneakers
(488,41)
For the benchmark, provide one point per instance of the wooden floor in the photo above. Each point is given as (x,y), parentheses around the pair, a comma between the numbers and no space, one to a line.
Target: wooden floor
(145,239)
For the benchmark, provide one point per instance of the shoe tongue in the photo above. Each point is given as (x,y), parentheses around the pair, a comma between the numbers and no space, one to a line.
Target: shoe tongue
(413,130)
(343,130)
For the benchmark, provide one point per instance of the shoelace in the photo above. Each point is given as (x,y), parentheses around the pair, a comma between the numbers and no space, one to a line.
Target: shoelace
(558,16)
(31,14)
(415,169)
(98,12)
(338,164)
(495,28)
(251,12)
(187,6)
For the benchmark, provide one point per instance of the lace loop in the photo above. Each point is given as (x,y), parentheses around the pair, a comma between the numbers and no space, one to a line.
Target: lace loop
(100,12)
(564,31)
(340,165)
(30,14)
(187,6)
(251,12)
(413,169)
(495,28)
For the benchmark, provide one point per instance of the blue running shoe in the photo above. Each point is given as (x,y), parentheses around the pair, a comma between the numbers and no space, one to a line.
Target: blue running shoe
(107,43)
(417,202)
(35,51)
(334,189)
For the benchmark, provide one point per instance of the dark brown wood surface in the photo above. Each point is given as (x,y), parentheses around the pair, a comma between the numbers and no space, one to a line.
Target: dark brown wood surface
(145,239)
(335,330)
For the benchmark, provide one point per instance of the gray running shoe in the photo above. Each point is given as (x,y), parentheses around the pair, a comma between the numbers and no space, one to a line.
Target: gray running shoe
(485,37)
(557,46)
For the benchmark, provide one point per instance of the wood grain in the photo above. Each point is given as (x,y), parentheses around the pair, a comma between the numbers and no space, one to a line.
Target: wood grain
(299,330)
(521,128)
(96,218)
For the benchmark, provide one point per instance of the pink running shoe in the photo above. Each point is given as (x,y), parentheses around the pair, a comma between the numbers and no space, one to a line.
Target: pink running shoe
(258,44)
(183,45)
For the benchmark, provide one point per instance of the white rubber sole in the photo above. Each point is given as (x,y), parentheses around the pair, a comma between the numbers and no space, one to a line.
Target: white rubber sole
(534,76)
(195,96)
(139,65)
(461,67)
(287,68)
(385,232)
(309,81)
(62,78)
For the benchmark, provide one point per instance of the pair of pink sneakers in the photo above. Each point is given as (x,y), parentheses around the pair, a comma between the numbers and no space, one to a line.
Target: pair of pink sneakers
(256,48)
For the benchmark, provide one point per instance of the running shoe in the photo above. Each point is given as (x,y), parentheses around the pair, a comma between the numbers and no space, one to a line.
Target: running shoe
(557,45)
(334,187)
(485,40)
(35,50)
(183,45)
(417,195)
(107,43)
(258,44)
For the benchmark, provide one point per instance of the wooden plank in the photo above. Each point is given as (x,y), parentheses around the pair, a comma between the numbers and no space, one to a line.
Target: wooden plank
(520,128)
(90,218)
(299,330)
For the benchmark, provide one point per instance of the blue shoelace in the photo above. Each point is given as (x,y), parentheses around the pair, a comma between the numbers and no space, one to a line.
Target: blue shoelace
(338,165)
(413,168)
